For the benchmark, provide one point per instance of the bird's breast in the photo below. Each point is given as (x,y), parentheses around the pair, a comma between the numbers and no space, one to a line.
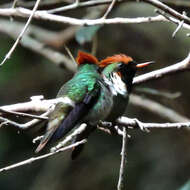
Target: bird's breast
(102,107)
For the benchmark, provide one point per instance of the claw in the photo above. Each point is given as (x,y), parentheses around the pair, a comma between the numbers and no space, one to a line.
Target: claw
(141,126)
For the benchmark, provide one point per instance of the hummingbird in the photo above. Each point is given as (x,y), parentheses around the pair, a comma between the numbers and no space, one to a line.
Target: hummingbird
(86,98)
(118,72)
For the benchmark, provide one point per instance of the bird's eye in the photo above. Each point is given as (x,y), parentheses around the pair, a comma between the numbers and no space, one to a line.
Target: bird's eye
(132,63)
(120,65)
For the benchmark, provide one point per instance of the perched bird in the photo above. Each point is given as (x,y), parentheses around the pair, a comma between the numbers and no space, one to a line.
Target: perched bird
(118,72)
(83,99)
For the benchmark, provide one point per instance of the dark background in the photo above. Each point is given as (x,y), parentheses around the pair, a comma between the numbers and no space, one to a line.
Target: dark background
(158,160)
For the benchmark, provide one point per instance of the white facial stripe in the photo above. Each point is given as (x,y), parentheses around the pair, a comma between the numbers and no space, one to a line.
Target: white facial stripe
(116,85)
(66,100)
(110,85)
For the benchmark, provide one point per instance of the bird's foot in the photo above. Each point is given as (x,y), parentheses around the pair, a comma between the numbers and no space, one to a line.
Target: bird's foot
(141,126)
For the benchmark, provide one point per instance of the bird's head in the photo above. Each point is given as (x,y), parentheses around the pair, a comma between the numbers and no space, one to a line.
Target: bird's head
(122,65)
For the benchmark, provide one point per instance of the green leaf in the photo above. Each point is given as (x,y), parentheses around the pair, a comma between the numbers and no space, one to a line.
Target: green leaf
(85,34)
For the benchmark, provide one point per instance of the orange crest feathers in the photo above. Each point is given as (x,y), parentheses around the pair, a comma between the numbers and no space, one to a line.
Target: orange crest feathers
(83,57)
(116,58)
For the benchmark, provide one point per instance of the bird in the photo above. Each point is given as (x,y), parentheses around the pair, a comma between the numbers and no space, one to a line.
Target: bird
(117,72)
(83,99)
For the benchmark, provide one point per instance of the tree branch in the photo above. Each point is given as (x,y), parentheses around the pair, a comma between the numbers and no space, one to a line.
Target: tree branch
(176,68)
(34,159)
(42,15)
(158,109)
(69,138)
(123,166)
(8,55)
(14,28)
(126,122)
(168,10)
(22,114)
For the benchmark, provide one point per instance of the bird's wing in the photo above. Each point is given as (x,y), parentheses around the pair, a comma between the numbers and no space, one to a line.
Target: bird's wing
(60,125)
(78,112)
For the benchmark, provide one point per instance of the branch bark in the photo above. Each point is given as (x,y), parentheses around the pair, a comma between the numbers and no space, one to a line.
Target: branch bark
(8,55)
(34,159)
(124,121)
(173,69)
(123,166)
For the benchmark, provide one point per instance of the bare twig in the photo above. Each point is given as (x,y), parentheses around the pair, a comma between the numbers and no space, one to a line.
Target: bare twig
(70,137)
(176,68)
(65,8)
(24,126)
(109,128)
(30,4)
(8,55)
(35,105)
(40,48)
(168,10)
(177,3)
(23,114)
(21,12)
(155,3)
(178,28)
(158,109)
(34,159)
(126,122)
(179,23)
(122,172)
(70,54)
(109,9)
(14,3)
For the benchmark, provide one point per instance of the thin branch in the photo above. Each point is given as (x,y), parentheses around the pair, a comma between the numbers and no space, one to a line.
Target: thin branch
(22,114)
(35,105)
(109,9)
(34,159)
(70,54)
(14,28)
(157,108)
(176,68)
(109,128)
(178,28)
(179,23)
(14,3)
(168,10)
(155,3)
(30,4)
(126,122)
(21,12)
(8,55)
(70,137)
(177,3)
(123,166)
(65,8)
(24,126)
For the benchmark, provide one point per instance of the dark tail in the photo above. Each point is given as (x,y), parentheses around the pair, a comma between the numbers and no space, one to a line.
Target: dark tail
(85,134)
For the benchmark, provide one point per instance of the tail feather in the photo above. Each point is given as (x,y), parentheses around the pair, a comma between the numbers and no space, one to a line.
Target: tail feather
(44,140)
(85,134)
